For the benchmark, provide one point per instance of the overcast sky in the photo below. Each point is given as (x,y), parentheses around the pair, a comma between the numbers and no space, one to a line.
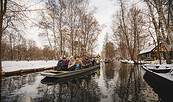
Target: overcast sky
(105,9)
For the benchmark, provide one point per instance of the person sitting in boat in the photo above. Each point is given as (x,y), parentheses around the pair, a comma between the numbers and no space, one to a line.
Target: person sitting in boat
(93,61)
(65,64)
(71,64)
(59,64)
(78,64)
(86,62)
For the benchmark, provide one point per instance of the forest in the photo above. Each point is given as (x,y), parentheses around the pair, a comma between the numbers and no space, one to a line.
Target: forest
(68,26)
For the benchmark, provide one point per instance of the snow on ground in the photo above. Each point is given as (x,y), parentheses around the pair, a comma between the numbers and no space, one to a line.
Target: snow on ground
(151,64)
(127,61)
(172,71)
(131,62)
(8,66)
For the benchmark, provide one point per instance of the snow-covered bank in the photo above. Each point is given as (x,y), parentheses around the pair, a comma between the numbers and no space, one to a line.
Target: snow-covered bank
(127,61)
(131,62)
(8,66)
(163,62)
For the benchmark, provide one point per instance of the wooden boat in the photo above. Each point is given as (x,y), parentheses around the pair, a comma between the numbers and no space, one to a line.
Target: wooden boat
(62,74)
(52,81)
(156,68)
(165,79)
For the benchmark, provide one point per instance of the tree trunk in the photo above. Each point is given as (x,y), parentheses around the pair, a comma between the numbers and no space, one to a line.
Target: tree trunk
(168,60)
(124,29)
(1,21)
(158,50)
(11,49)
(55,47)
(162,19)
(2,13)
(60,30)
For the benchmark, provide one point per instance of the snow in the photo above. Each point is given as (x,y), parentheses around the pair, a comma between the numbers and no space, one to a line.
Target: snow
(131,62)
(127,61)
(8,66)
(160,66)
(167,76)
(147,49)
(172,71)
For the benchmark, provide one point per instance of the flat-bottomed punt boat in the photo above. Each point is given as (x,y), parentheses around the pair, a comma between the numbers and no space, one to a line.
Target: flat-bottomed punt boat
(62,74)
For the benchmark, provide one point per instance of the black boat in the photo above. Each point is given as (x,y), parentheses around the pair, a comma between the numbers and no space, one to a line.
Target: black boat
(165,78)
(163,92)
(157,69)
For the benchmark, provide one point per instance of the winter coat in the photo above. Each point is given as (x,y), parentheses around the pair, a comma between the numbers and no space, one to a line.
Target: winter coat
(86,61)
(60,63)
(93,62)
(66,63)
(79,62)
(71,63)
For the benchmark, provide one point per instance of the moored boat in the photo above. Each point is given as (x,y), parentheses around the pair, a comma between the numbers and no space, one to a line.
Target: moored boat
(158,68)
(163,92)
(165,78)
(62,74)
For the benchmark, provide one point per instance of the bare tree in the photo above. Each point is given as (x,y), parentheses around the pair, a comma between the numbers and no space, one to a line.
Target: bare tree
(128,28)
(2,13)
(162,27)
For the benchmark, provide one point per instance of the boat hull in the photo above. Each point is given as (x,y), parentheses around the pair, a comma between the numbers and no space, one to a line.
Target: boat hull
(163,92)
(164,79)
(69,73)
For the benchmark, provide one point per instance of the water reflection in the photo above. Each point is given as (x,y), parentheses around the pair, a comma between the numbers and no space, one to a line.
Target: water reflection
(78,90)
(163,92)
(126,84)
(114,82)
(9,85)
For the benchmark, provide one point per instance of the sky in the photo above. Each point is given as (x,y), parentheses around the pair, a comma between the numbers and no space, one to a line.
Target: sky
(105,9)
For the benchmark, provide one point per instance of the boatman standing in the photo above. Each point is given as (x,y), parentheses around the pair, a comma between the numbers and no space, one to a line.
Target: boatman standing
(98,59)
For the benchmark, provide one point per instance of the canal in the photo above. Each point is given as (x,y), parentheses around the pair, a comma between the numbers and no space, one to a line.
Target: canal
(113,82)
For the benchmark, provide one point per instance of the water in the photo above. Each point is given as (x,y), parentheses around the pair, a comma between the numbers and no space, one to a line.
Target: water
(113,82)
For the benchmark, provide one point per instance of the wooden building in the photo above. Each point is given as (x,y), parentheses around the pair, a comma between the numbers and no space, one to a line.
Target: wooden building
(150,52)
